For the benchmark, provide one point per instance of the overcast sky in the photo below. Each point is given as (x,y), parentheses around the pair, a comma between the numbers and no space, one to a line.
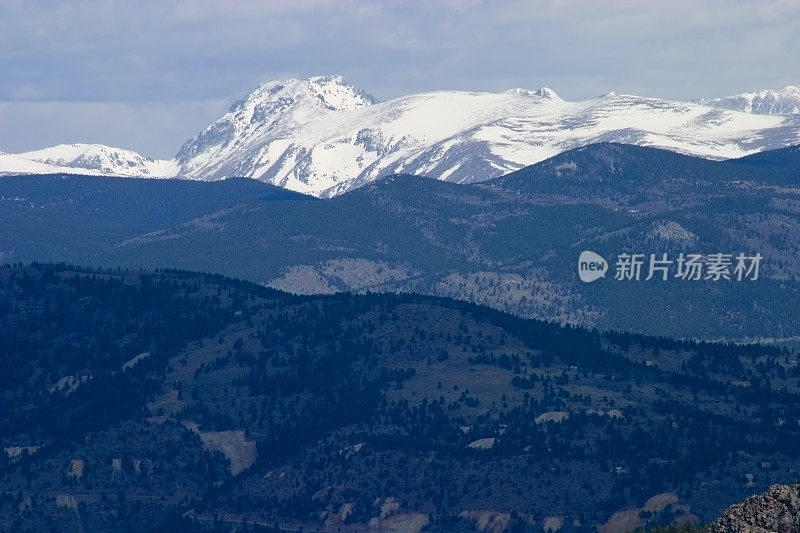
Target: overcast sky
(149,75)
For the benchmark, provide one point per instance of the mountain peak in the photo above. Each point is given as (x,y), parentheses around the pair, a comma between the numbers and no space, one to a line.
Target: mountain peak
(542,92)
(547,92)
(273,105)
(330,92)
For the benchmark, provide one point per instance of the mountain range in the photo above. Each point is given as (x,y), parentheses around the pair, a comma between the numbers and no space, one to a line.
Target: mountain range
(511,243)
(323,136)
(385,324)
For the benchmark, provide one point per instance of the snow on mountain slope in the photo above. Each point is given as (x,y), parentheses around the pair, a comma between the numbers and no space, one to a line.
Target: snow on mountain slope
(323,136)
(91,159)
(14,164)
(274,111)
(784,101)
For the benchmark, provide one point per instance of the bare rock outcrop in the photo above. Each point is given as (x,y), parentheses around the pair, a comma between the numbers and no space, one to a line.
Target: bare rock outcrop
(775,511)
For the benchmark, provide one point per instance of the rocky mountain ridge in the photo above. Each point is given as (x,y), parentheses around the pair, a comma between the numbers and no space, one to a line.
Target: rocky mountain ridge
(323,136)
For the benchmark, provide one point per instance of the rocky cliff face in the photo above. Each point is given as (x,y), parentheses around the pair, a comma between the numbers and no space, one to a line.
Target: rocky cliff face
(777,510)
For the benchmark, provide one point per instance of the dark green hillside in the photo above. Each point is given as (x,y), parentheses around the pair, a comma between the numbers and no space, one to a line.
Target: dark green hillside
(628,171)
(511,244)
(172,399)
(158,202)
(66,216)
(780,166)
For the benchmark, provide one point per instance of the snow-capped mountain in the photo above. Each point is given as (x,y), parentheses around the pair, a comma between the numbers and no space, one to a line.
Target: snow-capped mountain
(784,101)
(323,136)
(276,111)
(15,164)
(87,159)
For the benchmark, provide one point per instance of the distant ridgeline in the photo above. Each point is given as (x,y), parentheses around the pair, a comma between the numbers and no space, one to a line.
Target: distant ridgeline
(172,400)
(323,136)
(510,243)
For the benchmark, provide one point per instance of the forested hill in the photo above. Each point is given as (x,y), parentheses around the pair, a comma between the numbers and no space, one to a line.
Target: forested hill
(172,399)
(512,243)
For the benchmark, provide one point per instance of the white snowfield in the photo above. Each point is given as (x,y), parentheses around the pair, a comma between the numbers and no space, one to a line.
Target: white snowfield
(91,159)
(18,164)
(323,137)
